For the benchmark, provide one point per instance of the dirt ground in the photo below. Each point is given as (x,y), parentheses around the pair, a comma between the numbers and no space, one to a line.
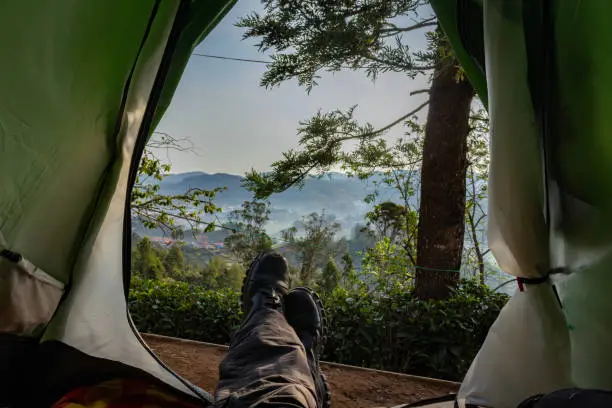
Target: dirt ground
(351,387)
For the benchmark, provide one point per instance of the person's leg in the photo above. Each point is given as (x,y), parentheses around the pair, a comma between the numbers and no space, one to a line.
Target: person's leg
(304,312)
(267,363)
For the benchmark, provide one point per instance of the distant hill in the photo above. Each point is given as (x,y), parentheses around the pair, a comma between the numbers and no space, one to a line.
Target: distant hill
(335,193)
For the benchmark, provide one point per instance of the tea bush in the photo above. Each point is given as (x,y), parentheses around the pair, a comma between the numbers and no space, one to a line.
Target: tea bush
(399,333)
(393,332)
(181,310)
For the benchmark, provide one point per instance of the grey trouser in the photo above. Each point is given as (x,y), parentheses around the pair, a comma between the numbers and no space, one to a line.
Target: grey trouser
(266,366)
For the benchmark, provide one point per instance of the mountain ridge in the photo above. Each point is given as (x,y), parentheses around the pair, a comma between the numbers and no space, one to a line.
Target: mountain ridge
(334,193)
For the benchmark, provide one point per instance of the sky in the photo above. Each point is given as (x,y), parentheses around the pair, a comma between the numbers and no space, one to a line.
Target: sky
(235,125)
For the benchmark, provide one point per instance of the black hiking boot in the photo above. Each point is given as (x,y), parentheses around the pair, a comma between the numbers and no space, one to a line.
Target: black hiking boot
(265,283)
(304,312)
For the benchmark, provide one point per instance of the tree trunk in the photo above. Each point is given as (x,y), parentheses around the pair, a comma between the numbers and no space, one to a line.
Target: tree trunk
(477,249)
(443,172)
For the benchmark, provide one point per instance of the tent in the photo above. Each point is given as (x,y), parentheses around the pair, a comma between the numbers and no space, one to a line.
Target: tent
(541,67)
(82,85)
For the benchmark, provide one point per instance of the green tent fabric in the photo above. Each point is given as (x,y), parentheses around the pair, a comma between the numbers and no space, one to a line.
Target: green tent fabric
(542,66)
(83,84)
(63,109)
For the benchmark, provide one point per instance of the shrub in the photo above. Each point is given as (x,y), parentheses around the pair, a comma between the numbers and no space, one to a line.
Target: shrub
(181,310)
(399,333)
(393,332)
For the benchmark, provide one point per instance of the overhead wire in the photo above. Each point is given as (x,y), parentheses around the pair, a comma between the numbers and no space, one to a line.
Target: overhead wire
(197,54)
(238,59)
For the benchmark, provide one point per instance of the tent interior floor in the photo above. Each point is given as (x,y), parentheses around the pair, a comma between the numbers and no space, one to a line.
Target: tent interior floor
(37,375)
(351,387)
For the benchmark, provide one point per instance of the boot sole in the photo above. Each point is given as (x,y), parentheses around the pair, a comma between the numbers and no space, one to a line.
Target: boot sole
(319,302)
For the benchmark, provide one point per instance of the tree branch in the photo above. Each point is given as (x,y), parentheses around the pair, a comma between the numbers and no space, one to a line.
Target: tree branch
(480,219)
(193,220)
(420,91)
(401,68)
(163,226)
(477,204)
(299,178)
(430,22)
(170,143)
(385,128)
